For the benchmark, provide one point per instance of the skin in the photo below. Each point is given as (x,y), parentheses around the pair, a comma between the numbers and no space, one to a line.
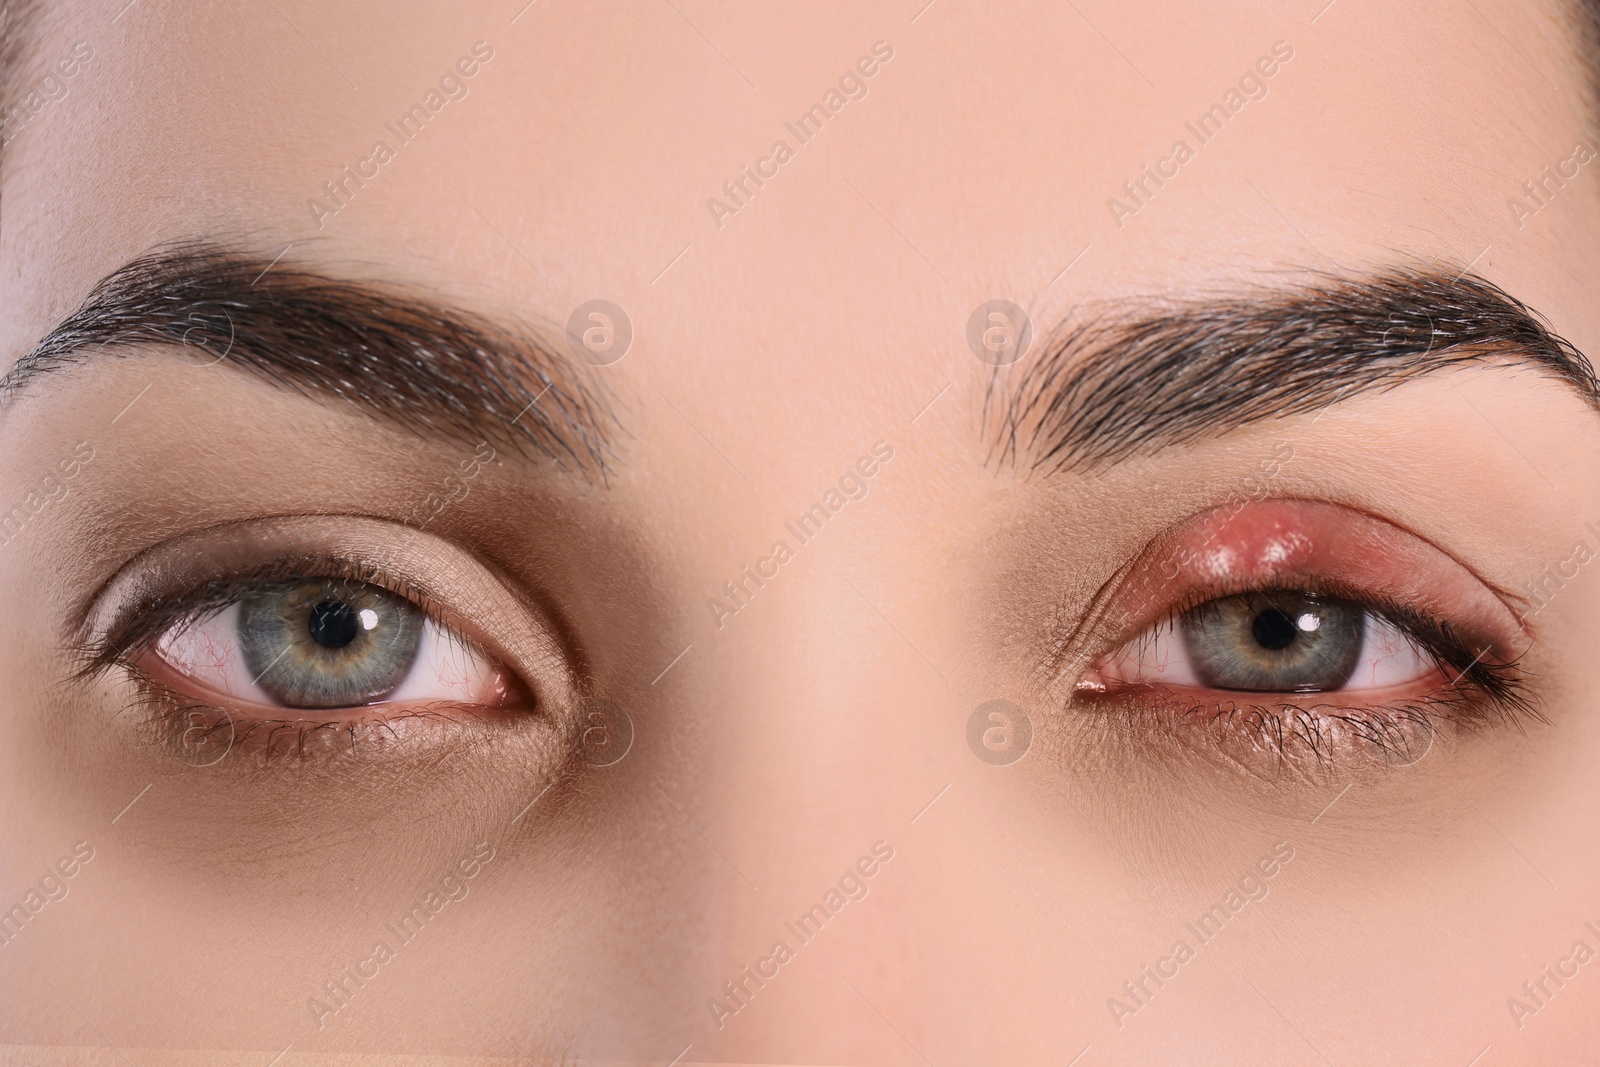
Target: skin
(829,714)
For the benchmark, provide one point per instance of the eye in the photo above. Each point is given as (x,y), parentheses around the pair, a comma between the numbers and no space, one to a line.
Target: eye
(328,643)
(1300,628)
(1273,641)
(328,637)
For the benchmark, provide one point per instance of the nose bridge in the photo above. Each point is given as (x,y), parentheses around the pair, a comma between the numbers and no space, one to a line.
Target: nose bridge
(812,695)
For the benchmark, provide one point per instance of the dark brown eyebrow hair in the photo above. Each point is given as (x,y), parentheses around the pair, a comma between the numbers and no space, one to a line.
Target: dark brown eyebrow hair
(389,352)
(1121,381)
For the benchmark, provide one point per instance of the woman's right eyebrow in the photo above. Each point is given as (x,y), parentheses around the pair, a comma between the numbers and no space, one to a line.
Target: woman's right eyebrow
(419,363)
(1125,382)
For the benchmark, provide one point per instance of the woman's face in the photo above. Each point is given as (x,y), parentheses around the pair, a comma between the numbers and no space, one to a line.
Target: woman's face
(868,535)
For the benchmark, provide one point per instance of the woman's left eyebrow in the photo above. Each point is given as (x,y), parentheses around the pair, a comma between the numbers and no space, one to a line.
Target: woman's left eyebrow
(424,365)
(1123,384)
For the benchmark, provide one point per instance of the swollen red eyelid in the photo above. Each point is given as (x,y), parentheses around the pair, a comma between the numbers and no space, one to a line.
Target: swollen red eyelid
(1244,546)
(1314,546)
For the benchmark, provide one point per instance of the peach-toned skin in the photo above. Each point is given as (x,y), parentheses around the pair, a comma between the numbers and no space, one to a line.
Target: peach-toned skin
(774,345)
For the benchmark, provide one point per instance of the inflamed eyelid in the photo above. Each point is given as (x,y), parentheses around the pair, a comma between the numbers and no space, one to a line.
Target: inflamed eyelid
(1317,547)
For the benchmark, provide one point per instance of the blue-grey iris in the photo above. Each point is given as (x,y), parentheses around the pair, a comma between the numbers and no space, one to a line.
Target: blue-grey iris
(1274,641)
(329,643)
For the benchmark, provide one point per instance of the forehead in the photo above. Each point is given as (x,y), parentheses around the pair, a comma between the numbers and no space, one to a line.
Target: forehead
(825,186)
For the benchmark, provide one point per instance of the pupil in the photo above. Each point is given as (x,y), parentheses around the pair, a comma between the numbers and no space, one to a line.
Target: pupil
(1273,629)
(334,624)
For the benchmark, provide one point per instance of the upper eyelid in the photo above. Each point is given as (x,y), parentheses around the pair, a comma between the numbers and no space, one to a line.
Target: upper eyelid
(1348,519)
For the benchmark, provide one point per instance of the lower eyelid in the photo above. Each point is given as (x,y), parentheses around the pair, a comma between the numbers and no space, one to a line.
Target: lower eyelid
(1264,738)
